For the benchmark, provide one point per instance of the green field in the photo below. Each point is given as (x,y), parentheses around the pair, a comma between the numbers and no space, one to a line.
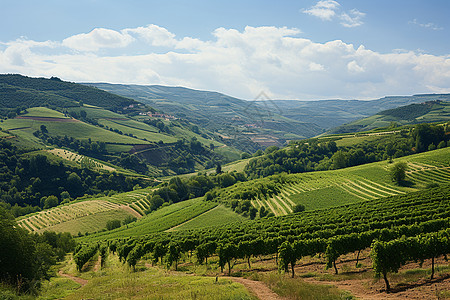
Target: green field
(117,281)
(128,127)
(73,128)
(318,190)
(159,220)
(89,223)
(218,215)
(44,112)
(87,215)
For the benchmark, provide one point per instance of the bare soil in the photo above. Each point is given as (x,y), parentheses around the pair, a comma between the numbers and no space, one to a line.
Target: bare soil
(78,280)
(258,288)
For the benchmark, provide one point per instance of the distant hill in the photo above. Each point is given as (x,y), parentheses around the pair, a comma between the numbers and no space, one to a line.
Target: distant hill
(18,91)
(37,112)
(333,113)
(426,112)
(240,122)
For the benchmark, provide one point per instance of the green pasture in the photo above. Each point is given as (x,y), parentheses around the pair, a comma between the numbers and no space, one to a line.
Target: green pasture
(44,112)
(159,220)
(324,189)
(127,127)
(218,215)
(89,223)
(75,129)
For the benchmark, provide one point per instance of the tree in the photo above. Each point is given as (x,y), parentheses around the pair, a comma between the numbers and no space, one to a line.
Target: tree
(50,201)
(44,129)
(340,159)
(398,172)
(174,253)
(218,168)
(298,208)
(113,224)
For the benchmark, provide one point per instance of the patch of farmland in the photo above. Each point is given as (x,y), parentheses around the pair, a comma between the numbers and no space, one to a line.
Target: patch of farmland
(131,203)
(162,219)
(89,223)
(82,160)
(216,216)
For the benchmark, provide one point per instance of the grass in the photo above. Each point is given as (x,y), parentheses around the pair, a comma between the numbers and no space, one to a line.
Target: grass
(44,112)
(159,220)
(57,288)
(128,128)
(324,189)
(292,288)
(75,129)
(117,281)
(217,216)
(85,215)
(89,223)
(328,196)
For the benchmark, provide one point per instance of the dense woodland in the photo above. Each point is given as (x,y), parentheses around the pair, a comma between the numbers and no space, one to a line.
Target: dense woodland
(26,259)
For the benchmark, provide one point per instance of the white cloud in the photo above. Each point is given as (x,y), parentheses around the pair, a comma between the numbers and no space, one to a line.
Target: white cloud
(325,9)
(97,39)
(316,67)
(155,35)
(240,63)
(352,19)
(430,25)
(353,67)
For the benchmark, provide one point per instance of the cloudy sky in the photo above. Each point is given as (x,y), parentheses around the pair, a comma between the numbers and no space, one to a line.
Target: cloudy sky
(305,49)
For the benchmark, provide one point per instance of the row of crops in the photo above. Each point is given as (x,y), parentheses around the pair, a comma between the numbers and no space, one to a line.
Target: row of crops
(417,221)
(135,201)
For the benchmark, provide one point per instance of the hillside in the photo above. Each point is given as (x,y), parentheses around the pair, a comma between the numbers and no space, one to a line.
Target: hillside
(243,124)
(106,127)
(315,191)
(426,112)
(279,194)
(333,113)
(17,91)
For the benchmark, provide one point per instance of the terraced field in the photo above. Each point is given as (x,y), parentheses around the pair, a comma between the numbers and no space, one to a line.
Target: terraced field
(339,187)
(93,212)
(160,220)
(83,161)
(216,216)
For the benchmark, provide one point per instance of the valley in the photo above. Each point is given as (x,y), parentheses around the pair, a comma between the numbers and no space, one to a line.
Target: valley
(116,198)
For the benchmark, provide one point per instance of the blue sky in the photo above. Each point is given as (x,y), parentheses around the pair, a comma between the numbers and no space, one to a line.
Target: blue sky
(288,49)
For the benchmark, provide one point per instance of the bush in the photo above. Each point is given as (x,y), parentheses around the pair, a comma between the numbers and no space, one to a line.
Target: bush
(298,208)
(398,172)
(113,224)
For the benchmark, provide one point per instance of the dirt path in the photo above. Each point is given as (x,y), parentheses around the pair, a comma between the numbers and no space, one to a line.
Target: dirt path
(131,210)
(366,289)
(258,288)
(78,280)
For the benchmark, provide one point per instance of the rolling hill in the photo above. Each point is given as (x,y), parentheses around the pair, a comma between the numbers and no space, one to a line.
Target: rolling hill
(333,113)
(240,123)
(126,132)
(426,112)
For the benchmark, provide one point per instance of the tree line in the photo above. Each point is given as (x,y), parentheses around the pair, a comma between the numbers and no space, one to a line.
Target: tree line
(30,182)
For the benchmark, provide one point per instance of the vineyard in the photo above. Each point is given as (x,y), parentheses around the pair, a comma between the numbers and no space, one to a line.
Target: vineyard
(280,193)
(87,215)
(415,225)
(81,160)
(160,220)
